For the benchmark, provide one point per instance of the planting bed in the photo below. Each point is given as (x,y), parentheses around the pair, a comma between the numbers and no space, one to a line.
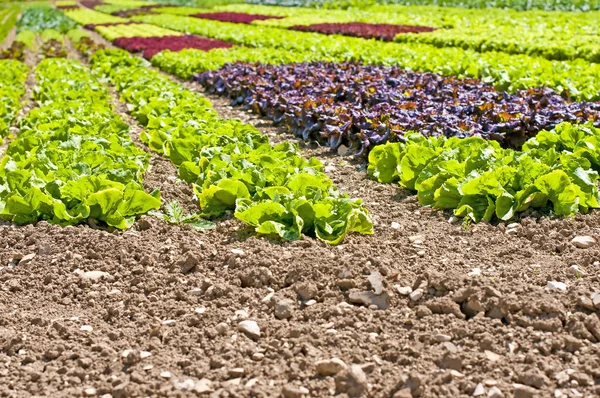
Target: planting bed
(362,106)
(254,271)
(235,17)
(150,46)
(361,29)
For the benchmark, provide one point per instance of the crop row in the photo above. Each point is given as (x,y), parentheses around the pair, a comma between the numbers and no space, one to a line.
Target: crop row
(150,46)
(186,63)
(73,160)
(235,17)
(8,19)
(12,87)
(578,79)
(362,106)
(134,30)
(40,19)
(231,165)
(557,171)
(86,16)
(385,32)
(552,35)
(558,5)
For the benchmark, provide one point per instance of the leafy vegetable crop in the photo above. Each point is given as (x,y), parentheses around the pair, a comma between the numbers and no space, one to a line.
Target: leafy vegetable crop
(153,45)
(562,5)
(552,35)
(186,63)
(52,44)
(26,37)
(231,165)
(91,4)
(8,19)
(12,87)
(73,160)
(362,106)
(235,17)
(40,19)
(360,29)
(556,170)
(134,30)
(83,41)
(129,12)
(86,16)
(576,79)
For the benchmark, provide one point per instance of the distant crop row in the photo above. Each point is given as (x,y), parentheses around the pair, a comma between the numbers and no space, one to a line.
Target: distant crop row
(363,106)
(562,5)
(231,165)
(73,160)
(552,35)
(577,79)
(40,19)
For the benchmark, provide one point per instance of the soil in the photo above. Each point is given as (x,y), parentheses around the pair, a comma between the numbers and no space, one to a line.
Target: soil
(160,315)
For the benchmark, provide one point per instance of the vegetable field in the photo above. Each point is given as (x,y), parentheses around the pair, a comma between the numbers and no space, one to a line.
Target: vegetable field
(300,198)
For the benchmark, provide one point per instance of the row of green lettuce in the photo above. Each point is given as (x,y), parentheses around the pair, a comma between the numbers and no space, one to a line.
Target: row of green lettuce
(8,19)
(552,35)
(231,165)
(578,79)
(550,5)
(185,63)
(73,160)
(13,75)
(556,170)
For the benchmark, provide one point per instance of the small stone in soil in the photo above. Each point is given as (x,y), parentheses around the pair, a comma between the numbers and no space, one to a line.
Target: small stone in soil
(376,281)
(222,328)
(522,391)
(442,338)
(492,356)
(554,285)
(94,276)
(236,372)
(27,259)
(416,294)
(306,291)
(403,290)
(576,271)
(284,309)
(290,391)
(352,381)
(369,298)
(479,390)
(583,242)
(596,300)
(330,367)
(187,262)
(495,392)
(145,354)
(416,239)
(250,329)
